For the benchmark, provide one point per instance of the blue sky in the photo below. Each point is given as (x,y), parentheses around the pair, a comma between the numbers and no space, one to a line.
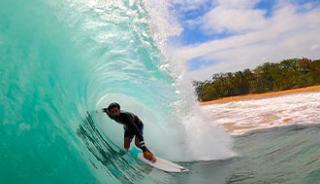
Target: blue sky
(216,23)
(194,34)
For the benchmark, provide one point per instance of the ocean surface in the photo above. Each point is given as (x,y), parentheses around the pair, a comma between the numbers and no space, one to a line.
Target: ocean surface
(62,61)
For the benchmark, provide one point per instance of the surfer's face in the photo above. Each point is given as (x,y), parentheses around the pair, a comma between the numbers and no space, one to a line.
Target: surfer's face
(115,111)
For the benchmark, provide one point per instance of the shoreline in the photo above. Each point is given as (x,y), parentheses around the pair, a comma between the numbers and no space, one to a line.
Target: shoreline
(262,95)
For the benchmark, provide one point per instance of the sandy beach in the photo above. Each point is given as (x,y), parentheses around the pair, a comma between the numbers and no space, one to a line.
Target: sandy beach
(261,96)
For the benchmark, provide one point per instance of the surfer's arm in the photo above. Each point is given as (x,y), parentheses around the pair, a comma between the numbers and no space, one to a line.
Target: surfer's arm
(107,112)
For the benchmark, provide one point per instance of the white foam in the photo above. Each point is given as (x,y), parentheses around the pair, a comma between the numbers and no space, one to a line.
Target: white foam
(197,140)
(286,110)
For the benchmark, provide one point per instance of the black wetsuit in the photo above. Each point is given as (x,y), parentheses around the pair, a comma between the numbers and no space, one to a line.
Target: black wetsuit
(133,126)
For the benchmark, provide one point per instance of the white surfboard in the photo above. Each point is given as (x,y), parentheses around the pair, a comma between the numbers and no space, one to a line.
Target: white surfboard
(162,164)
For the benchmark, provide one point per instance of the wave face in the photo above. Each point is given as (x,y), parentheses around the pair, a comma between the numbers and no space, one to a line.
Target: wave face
(62,60)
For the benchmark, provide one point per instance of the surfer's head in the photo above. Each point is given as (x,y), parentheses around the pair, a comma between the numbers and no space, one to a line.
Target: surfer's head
(114,109)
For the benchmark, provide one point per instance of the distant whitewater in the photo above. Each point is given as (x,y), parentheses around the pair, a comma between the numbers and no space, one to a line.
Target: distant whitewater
(239,117)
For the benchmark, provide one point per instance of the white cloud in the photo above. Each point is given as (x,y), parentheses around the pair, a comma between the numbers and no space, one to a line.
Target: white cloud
(221,19)
(233,16)
(287,34)
(237,4)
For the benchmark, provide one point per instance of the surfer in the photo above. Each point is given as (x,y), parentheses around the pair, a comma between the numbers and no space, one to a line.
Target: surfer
(133,127)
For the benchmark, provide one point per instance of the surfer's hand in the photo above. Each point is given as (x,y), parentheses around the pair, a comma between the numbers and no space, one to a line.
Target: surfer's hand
(108,112)
(149,156)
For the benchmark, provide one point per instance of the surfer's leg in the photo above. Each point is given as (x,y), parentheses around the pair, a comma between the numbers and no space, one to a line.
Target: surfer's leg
(128,136)
(126,143)
(146,152)
(137,142)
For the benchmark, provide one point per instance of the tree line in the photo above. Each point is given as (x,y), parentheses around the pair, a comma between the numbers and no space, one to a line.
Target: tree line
(288,74)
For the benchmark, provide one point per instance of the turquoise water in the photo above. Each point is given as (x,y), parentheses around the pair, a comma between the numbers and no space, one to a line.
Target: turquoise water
(58,58)
(287,155)
(60,61)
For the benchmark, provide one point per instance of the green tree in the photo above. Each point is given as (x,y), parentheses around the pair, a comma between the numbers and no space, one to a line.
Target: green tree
(288,74)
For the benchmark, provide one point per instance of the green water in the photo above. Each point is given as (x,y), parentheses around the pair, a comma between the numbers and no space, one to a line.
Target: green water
(54,66)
